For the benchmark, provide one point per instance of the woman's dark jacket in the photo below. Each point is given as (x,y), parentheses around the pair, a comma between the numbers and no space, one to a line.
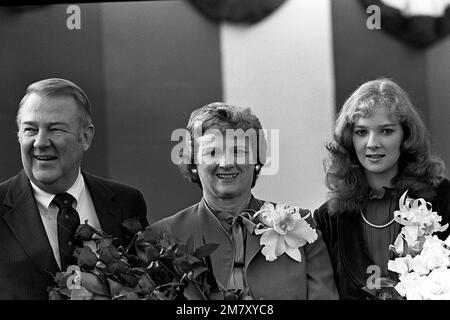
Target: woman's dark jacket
(344,238)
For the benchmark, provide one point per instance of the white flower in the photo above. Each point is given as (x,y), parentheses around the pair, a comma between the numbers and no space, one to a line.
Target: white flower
(400,265)
(409,286)
(433,256)
(418,220)
(424,273)
(283,230)
(418,213)
(426,276)
(435,286)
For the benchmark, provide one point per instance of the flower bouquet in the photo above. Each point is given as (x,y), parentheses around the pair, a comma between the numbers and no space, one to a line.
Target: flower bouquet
(152,267)
(422,259)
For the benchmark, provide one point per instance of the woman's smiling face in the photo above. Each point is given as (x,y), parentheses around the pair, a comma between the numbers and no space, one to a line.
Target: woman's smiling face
(221,173)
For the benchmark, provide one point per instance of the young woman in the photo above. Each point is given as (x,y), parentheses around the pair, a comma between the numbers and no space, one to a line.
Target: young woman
(380,150)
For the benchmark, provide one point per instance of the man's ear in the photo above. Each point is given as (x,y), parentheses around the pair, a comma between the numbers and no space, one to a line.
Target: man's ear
(87,134)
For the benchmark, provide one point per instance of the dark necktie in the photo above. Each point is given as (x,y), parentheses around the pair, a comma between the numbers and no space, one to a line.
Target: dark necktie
(68,222)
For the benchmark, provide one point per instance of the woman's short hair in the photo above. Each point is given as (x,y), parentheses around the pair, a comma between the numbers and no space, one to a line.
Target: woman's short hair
(419,170)
(220,116)
(60,87)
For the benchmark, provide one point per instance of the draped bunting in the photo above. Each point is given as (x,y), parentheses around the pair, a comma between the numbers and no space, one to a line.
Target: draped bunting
(418,22)
(241,11)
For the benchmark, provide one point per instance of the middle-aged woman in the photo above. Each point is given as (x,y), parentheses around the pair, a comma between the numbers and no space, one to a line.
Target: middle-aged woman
(225,169)
(380,150)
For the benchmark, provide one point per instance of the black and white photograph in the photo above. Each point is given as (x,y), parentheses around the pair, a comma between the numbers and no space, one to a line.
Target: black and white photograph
(225,150)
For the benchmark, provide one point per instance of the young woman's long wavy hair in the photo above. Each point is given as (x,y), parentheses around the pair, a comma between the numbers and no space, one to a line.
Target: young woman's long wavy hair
(419,171)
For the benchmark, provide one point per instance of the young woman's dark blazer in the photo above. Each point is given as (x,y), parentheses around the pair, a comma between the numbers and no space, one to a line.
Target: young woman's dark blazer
(349,257)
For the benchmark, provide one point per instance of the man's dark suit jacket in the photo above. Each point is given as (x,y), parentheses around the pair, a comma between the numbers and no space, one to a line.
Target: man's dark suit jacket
(343,235)
(27,262)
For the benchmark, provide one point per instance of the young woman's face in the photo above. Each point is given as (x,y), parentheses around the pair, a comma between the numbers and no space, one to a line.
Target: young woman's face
(377,139)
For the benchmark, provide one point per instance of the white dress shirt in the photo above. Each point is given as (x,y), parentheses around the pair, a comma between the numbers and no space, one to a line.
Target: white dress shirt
(49,212)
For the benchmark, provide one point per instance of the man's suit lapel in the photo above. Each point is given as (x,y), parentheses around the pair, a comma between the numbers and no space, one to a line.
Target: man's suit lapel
(25,222)
(108,211)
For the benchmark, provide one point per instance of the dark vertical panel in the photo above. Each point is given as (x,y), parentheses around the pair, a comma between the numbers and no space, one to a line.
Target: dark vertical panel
(36,44)
(438,76)
(361,54)
(162,60)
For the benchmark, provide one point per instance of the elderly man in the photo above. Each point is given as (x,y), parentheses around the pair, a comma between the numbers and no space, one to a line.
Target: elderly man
(42,206)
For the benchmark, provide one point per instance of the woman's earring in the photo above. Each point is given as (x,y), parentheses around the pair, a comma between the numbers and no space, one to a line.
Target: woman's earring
(194,171)
(257,168)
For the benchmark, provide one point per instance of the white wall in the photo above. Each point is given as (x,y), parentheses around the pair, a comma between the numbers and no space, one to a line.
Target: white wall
(282,68)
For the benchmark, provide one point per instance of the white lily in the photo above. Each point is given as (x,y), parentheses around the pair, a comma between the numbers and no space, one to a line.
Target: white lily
(283,230)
